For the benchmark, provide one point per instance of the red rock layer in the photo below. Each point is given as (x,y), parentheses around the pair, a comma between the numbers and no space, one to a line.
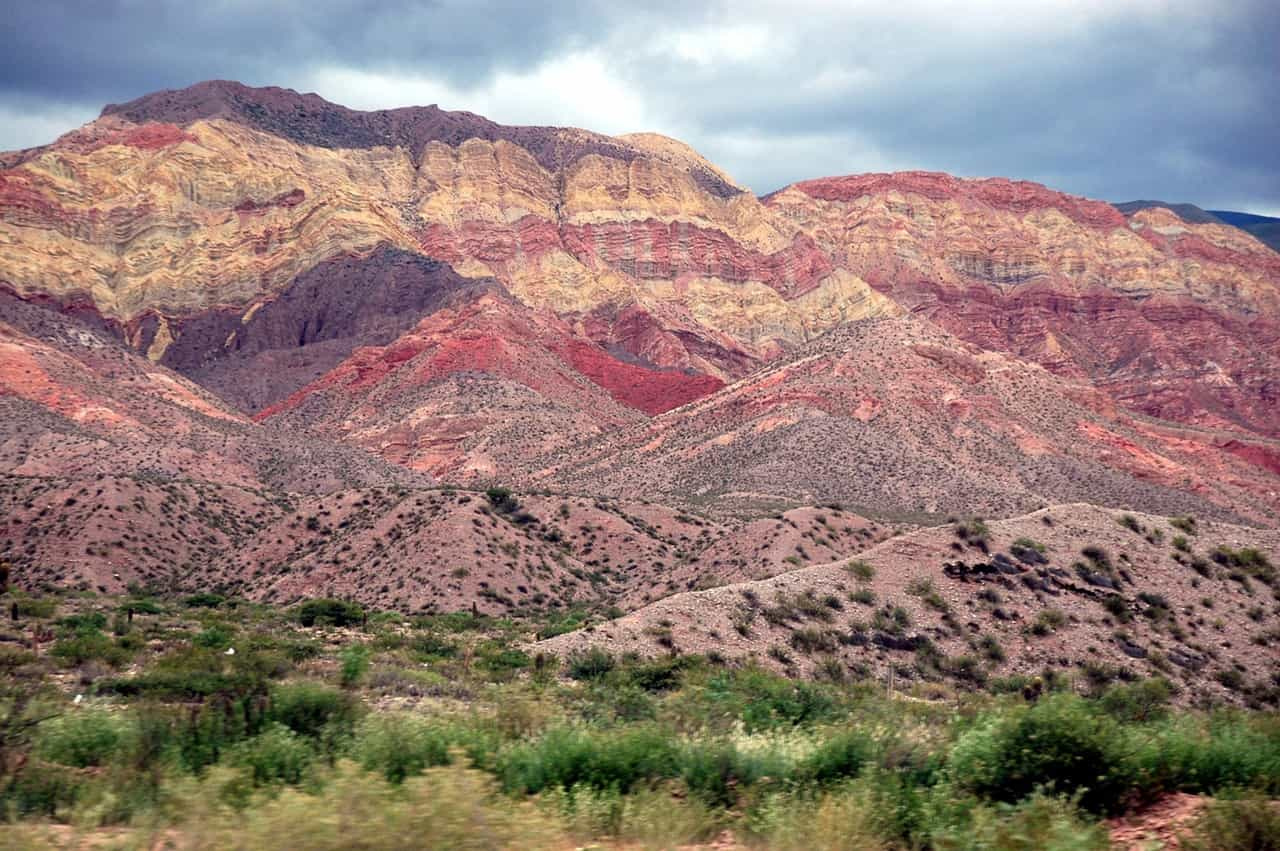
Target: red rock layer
(1177,320)
(479,389)
(1017,196)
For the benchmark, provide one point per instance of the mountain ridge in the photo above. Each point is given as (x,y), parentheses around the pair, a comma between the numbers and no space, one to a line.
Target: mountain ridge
(419,296)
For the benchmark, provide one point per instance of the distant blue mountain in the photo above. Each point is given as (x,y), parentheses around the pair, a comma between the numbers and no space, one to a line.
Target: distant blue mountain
(1266,229)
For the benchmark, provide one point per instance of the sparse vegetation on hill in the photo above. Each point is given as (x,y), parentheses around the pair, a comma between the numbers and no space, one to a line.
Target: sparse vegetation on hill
(223,723)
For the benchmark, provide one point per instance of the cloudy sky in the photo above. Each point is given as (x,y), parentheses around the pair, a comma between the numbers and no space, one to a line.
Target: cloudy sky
(1115,99)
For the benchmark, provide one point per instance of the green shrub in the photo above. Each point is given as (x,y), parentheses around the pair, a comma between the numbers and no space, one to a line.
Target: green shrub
(83,622)
(1147,700)
(324,612)
(811,639)
(1185,753)
(216,637)
(90,646)
(1048,621)
(863,596)
(84,738)
(590,664)
(1061,743)
(1239,821)
(1038,823)
(839,757)
(353,663)
(973,530)
(1117,607)
(861,571)
(204,600)
(311,709)
(717,772)
(428,646)
(277,755)
(566,757)
(47,792)
(32,607)
(398,745)
(659,675)
(501,660)
(450,807)
(502,500)
(1028,551)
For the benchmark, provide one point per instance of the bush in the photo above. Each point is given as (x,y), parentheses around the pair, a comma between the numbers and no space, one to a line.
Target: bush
(90,646)
(1240,821)
(1117,607)
(216,637)
(83,739)
(400,745)
(1147,700)
(277,755)
(311,709)
(590,664)
(864,815)
(566,757)
(1187,754)
(82,623)
(1039,823)
(427,646)
(1048,621)
(811,639)
(1028,551)
(861,571)
(502,500)
(839,757)
(1061,743)
(717,771)
(353,664)
(33,607)
(324,612)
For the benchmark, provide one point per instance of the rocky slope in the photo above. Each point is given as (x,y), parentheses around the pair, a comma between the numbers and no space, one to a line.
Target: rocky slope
(897,416)
(394,547)
(75,402)
(1175,319)
(1069,587)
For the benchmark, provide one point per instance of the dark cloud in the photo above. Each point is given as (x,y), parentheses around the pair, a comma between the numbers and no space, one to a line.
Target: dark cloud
(1118,99)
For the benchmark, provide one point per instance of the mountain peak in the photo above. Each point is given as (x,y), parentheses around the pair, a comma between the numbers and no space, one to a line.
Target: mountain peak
(312,120)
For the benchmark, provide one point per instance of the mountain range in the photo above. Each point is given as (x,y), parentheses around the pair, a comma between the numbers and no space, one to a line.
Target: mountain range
(254,340)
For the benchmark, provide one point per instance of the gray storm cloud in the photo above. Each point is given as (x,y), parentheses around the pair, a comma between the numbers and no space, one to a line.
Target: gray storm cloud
(1117,100)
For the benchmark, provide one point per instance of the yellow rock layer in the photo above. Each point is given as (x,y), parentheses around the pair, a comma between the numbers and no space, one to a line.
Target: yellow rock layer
(140,230)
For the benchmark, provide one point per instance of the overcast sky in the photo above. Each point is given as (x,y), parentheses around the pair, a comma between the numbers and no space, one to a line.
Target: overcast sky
(1114,99)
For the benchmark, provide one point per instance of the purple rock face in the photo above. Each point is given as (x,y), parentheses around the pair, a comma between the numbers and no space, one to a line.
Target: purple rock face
(324,315)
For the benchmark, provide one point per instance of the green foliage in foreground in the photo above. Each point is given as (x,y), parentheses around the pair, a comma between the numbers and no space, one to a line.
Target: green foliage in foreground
(443,727)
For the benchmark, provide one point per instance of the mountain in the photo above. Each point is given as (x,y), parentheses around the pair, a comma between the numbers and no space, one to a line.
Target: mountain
(1265,228)
(897,415)
(1067,586)
(1189,213)
(262,301)
(1173,319)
